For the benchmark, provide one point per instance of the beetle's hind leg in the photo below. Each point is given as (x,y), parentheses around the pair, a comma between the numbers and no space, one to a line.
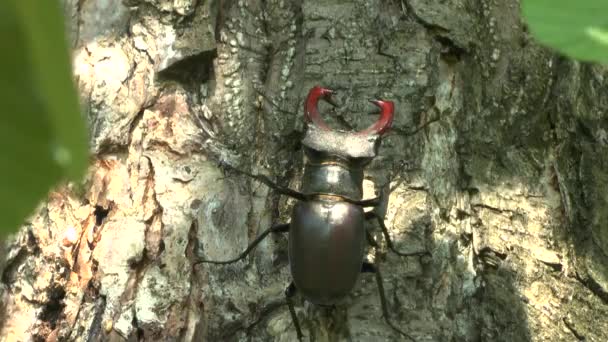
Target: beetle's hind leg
(371,215)
(290,292)
(279,228)
(368,267)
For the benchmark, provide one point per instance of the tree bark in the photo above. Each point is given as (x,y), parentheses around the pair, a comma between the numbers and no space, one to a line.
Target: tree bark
(496,164)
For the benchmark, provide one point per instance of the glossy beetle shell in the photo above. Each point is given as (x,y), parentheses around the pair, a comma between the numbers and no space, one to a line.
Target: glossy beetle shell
(326,247)
(332,180)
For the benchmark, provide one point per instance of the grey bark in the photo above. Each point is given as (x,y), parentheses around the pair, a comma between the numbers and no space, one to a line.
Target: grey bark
(496,164)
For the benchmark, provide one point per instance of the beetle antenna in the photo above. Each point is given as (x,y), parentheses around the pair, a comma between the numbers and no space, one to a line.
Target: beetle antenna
(423,126)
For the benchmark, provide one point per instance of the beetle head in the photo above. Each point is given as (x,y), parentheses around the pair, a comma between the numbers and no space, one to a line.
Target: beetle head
(348,145)
(312,116)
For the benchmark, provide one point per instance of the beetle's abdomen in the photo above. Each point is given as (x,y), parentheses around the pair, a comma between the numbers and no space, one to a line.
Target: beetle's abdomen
(326,246)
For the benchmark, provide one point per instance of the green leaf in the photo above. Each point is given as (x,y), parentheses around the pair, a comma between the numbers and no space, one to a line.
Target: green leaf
(42,132)
(577,28)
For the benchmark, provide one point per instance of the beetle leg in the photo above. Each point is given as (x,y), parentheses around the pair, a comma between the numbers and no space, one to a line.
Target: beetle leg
(387,237)
(279,228)
(280,189)
(368,267)
(370,239)
(371,202)
(290,291)
(269,183)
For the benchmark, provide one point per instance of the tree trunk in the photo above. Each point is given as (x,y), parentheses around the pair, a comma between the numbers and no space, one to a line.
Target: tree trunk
(496,164)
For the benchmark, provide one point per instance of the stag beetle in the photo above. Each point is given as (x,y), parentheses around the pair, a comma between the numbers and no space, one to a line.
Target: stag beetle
(327,234)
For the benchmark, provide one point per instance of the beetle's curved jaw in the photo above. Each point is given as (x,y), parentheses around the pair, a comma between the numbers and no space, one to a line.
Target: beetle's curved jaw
(311,110)
(312,115)
(387,110)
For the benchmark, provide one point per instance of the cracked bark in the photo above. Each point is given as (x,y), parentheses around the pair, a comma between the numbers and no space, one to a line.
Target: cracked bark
(496,164)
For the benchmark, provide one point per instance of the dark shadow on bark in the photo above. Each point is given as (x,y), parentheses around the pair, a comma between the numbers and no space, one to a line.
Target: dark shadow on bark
(500,308)
(481,306)
(555,150)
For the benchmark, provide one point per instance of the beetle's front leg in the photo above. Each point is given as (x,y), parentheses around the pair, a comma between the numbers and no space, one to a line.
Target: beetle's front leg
(279,228)
(370,202)
(371,215)
(269,183)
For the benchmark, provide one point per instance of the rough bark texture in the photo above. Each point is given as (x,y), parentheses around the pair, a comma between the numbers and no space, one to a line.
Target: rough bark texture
(505,184)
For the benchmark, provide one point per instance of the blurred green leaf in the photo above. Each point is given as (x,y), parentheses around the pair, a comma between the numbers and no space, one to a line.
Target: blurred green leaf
(42,133)
(577,28)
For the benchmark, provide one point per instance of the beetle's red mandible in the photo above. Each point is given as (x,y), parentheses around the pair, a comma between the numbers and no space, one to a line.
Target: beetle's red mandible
(312,115)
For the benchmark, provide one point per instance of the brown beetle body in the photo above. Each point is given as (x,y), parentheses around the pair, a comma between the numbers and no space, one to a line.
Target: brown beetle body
(327,236)
(326,246)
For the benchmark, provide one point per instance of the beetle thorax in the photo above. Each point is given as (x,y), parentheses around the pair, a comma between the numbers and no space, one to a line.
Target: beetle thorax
(335,162)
